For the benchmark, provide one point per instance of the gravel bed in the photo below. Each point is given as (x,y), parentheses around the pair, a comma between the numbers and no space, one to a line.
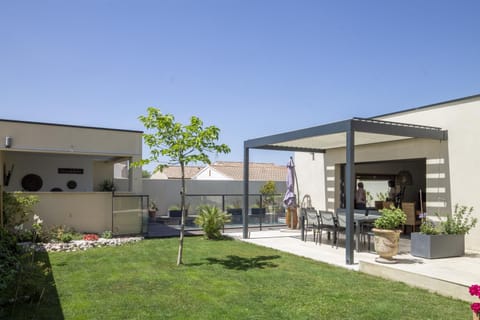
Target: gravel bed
(78,245)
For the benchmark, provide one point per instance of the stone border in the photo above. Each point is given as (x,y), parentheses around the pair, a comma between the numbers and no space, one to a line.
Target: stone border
(78,245)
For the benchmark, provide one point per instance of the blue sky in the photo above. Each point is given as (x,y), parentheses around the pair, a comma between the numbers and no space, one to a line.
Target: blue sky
(250,67)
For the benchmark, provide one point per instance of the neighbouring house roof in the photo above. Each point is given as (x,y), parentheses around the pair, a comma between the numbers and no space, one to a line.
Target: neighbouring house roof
(227,170)
(174,172)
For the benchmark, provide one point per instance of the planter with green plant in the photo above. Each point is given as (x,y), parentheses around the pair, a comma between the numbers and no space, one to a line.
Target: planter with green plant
(268,191)
(445,238)
(212,219)
(174,211)
(152,210)
(107,185)
(236,212)
(387,233)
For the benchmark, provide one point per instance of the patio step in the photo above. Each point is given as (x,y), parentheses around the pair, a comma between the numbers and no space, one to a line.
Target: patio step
(432,284)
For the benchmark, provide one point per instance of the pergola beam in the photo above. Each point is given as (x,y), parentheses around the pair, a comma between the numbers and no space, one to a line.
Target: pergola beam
(348,127)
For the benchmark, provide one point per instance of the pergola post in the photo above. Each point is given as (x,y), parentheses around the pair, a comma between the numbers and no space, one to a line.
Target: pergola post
(246,163)
(349,194)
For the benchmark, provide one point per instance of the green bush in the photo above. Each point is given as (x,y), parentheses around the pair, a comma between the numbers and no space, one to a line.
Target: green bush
(9,261)
(391,219)
(460,222)
(107,234)
(211,219)
(66,237)
(17,208)
(428,227)
(63,234)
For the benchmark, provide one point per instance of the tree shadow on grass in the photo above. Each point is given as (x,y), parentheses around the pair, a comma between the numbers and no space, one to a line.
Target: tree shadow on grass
(39,298)
(244,264)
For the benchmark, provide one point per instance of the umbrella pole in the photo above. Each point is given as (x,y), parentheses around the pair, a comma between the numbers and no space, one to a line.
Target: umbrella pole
(298,193)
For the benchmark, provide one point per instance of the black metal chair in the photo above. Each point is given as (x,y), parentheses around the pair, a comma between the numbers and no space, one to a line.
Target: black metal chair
(341,225)
(327,223)
(311,222)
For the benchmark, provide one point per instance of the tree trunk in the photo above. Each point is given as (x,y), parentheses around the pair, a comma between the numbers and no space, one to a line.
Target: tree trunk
(182,222)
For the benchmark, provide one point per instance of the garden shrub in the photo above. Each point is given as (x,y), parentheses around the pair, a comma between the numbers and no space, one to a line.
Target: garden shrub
(17,208)
(9,263)
(211,219)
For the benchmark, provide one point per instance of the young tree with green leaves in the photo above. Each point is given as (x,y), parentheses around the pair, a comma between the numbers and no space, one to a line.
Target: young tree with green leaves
(181,144)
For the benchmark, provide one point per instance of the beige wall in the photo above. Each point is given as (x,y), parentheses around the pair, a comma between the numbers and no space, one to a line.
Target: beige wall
(400,150)
(451,166)
(74,140)
(461,121)
(83,211)
(311,177)
(69,146)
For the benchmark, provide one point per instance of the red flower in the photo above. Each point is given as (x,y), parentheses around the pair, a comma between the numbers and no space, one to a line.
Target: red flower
(475,307)
(475,290)
(90,237)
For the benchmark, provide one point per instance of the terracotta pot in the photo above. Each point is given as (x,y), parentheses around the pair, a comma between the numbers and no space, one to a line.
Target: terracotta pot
(475,316)
(386,244)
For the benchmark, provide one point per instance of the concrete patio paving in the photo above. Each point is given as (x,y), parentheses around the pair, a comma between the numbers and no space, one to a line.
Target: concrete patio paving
(450,277)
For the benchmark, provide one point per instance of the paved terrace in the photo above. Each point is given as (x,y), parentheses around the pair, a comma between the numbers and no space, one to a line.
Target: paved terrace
(450,277)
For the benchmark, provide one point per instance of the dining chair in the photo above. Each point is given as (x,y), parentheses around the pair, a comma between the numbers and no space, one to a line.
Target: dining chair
(327,223)
(311,222)
(341,225)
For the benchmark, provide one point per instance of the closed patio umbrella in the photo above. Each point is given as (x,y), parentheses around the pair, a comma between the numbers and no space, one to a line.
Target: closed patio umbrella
(290,199)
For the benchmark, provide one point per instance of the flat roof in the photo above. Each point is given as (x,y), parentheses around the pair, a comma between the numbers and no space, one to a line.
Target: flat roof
(69,125)
(433,105)
(333,135)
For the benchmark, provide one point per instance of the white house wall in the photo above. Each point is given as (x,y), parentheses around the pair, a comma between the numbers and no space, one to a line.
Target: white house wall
(208,173)
(451,166)
(46,166)
(67,142)
(400,150)
(461,121)
(311,176)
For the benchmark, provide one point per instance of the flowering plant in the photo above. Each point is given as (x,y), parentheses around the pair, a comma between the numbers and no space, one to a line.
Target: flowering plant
(90,237)
(460,222)
(475,291)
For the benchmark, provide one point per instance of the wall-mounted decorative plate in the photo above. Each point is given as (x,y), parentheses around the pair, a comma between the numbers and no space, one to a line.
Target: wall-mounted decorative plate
(71,184)
(32,182)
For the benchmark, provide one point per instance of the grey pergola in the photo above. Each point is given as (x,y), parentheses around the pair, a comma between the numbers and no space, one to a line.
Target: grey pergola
(346,134)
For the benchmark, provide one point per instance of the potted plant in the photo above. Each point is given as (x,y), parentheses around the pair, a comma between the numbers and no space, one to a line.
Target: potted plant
(445,238)
(256,209)
(387,233)
(268,191)
(174,211)
(152,210)
(107,185)
(235,211)
(381,198)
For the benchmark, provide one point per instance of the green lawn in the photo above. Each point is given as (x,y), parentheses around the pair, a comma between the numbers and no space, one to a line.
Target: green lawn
(221,280)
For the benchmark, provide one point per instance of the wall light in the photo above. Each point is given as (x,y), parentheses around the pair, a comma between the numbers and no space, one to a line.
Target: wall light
(8,142)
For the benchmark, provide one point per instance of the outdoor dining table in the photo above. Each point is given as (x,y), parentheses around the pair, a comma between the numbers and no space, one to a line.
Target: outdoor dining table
(360,219)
